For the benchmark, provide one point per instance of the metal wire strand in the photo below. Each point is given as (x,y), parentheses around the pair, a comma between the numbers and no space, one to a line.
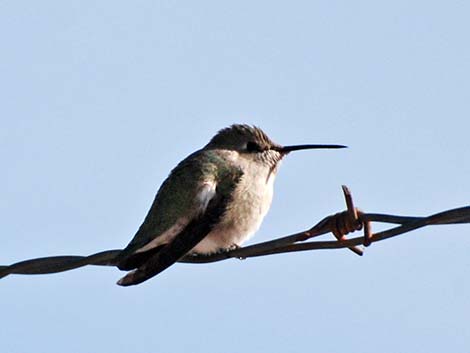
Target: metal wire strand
(339,224)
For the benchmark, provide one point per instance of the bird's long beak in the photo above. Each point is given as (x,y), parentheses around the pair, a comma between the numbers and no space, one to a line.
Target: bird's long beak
(287,149)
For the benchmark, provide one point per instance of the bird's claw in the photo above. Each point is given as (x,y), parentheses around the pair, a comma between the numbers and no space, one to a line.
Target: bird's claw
(232,248)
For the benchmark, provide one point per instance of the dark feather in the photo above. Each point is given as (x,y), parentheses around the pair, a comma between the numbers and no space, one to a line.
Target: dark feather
(153,262)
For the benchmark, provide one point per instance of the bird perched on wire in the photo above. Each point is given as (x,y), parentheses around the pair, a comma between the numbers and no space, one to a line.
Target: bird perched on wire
(212,201)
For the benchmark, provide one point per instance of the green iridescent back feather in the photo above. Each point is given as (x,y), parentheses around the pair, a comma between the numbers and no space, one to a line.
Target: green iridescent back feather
(177,197)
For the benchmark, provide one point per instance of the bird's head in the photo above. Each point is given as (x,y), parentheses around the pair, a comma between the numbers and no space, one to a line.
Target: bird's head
(253,144)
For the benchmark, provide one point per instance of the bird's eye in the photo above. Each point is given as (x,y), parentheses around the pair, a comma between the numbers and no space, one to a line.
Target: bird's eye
(253,147)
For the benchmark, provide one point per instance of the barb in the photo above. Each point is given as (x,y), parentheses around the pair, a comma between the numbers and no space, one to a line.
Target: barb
(339,224)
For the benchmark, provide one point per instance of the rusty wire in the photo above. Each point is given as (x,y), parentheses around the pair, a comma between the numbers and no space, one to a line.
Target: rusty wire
(339,224)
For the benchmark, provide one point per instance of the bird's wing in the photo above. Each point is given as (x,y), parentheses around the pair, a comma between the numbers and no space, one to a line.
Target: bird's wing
(191,235)
(183,212)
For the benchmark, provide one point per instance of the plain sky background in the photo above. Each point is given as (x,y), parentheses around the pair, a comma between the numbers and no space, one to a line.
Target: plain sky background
(99,100)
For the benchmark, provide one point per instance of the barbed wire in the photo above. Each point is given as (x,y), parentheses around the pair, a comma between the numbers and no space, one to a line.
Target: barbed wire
(339,224)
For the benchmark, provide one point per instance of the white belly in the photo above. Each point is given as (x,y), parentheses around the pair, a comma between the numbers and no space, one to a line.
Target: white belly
(251,202)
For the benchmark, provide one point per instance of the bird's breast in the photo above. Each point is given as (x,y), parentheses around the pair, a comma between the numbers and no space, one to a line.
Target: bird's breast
(250,202)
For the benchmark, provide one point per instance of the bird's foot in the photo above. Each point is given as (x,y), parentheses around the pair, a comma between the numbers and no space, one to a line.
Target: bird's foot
(232,248)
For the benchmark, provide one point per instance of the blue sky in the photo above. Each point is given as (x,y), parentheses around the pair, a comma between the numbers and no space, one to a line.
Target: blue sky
(101,100)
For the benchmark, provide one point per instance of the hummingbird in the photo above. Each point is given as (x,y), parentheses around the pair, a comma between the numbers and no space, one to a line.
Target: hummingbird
(212,201)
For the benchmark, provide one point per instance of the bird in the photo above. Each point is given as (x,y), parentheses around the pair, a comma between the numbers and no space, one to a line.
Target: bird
(212,201)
